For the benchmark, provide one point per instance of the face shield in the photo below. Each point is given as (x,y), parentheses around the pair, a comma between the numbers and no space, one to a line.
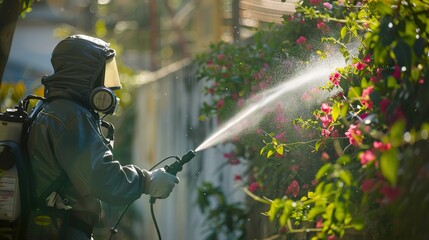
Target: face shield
(102,98)
(111,75)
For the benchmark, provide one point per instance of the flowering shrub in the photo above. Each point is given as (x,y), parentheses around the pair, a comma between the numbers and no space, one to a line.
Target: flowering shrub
(363,166)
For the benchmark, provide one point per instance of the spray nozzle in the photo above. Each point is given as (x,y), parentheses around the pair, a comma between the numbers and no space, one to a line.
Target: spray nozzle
(176,167)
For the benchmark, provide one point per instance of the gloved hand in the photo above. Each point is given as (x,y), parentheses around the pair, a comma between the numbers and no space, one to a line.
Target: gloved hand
(159,183)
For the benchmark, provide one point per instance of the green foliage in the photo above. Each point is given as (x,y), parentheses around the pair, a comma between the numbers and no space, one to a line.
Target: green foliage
(12,93)
(224,219)
(372,134)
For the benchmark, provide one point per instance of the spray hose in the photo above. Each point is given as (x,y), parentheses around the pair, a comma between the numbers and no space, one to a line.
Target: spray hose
(173,169)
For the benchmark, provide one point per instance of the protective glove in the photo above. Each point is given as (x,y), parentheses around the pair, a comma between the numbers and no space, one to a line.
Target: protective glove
(159,183)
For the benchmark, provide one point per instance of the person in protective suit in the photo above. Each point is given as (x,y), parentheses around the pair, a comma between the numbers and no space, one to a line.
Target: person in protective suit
(66,138)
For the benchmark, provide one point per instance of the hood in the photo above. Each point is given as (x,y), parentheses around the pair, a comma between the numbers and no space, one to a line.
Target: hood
(78,63)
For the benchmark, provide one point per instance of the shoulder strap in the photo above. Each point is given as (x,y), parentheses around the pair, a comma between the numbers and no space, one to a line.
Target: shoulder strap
(59,182)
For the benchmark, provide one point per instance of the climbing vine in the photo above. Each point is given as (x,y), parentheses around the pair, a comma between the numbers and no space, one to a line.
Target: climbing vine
(357,165)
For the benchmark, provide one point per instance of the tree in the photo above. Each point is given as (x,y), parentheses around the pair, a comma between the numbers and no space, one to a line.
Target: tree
(10,11)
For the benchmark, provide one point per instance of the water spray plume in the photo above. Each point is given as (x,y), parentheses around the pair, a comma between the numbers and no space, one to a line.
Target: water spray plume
(315,77)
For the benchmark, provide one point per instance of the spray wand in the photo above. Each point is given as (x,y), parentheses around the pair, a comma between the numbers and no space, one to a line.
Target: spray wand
(173,169)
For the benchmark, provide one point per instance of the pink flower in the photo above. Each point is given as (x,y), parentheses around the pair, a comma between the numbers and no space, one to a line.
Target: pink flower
(366,100)
(397,72)
(240,103)
(368,185)
(327,5)
(306,97)
(320,25)
(326,120)
(280,118)
(211,91)
(220,103)
(301,40)
(293,188)
(325,156)
(384,104)
(253,186)
(325,133)
(280,136)
(335,78)
(257,75)
(334,133)
(354,134)
(373,79)
(366,157)
(315,2)
(390,193)
(382,146)
(232,158)
(332,237)
(238,178)
(263,85)
(367,58)
(294,168)
(326,108)
(363,115)
(319,223)
(314,182)
(221,57)
(234,161)
(359,66)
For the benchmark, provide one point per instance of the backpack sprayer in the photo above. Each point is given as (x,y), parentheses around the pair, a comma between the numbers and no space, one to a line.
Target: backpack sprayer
(173,169)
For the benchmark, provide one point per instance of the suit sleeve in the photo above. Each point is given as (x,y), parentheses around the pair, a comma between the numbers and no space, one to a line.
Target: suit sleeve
(90,166)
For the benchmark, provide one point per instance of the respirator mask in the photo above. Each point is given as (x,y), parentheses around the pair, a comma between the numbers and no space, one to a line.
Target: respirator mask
(102,98)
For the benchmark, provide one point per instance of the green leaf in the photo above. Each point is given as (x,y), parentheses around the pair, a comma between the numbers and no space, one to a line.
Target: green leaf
(280,149)
(346,177)
(316,211)
(344,31)
(396,133)
(403,54)
(344,110)
(318,144)
(262,150)
(389,164)
(364,83)
(324,170)
(270,153)
(392,82)
(340,212)
(358,224)
(275,206)
(335,111)
(343,159)
(287,209)
(387,33)
(354,92)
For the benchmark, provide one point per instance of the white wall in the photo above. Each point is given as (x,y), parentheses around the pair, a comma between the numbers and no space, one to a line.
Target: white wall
(167,124)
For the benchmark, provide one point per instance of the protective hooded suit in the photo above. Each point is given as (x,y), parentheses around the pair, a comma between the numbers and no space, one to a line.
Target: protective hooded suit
(66,137)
